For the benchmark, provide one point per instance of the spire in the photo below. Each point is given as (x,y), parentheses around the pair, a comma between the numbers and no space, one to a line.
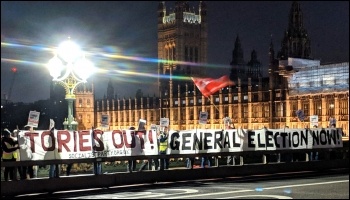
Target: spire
(161,6)
(183,6)
(110,90)
(253,56)
(161,12)
(295,17)
(271,51)
(296,43)
(202,7)
(237,54)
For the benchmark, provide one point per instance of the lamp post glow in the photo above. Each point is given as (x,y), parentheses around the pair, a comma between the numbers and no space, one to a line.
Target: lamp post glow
(69,68)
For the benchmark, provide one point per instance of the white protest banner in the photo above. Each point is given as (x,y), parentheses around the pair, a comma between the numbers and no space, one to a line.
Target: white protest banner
(164,121)
(153,127)
(33,119)
(52,124)
(105,121)
(314,121)
(142,124)
(64,144)
(203,116)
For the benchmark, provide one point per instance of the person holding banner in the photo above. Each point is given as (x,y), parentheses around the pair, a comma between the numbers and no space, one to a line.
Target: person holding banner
(332,122)
(163,146)
(231,159)
(149,161)
(229,125)
(190,163)
(54,171)
(28,171)
(205,159)
(132,163)
(97,165)
(14,136)
(8,146)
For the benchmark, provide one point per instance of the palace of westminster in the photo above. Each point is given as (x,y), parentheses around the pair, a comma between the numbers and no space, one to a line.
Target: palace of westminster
(295,82)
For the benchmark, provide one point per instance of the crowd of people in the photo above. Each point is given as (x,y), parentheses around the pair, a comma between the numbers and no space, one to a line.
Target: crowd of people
(10,152)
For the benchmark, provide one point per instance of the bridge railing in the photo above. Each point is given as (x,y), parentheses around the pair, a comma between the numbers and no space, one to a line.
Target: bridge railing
(246,157)
(251,163)
(331,153)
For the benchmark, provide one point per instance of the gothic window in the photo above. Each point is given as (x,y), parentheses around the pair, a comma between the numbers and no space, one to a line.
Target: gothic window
(175,115)
(255,109)
(293,108)
(217,114)
(174,53)
(343,107)
(318,107)
(266,111)
(226,113)
(330,107)
(167,55)
(245,111)
(183,113)
(170,54)
(266,96)
(235,112)
(279,109)
(80,102)
(306,108)
(278,94)
(255,97)
(127,117)
(191,110)
(88,103)
(88,118)
(145,115)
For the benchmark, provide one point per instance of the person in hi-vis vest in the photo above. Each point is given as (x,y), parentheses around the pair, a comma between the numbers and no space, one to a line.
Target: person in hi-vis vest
(8,146)
(163,146)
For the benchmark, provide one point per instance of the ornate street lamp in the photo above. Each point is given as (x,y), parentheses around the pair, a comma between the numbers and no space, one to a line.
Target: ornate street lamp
(69,68)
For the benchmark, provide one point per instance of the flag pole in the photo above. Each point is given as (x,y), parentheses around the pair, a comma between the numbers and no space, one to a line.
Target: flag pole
(19,149)
(214,105)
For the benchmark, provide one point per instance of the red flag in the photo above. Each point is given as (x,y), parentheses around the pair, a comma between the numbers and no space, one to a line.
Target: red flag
(209,86)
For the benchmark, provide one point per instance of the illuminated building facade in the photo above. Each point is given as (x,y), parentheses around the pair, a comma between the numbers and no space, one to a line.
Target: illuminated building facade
(295,82)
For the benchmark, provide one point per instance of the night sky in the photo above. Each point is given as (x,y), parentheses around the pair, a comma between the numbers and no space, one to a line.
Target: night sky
(29,31)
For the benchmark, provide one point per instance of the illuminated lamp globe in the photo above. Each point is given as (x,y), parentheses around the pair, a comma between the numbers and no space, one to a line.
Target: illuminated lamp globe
(84,69)
(55,67)
(68,51)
